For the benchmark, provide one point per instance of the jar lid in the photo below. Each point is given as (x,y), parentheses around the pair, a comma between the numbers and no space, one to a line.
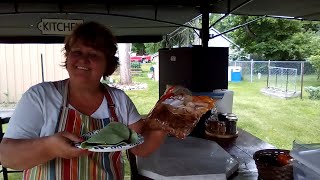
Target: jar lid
(232,118)
(229,114)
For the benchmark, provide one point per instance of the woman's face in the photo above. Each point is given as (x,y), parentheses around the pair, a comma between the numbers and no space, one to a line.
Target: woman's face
(85,64)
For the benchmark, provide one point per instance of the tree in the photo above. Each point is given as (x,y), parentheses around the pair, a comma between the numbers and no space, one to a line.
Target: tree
(182,38)
(314,59)
(138,48)
(152,48)
(125,64)
(271,38)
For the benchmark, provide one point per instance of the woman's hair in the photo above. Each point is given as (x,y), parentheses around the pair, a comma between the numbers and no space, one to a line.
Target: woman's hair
(98,37)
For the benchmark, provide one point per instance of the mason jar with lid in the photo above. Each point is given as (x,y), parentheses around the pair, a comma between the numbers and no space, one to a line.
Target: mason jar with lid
(222,127)
(231,125)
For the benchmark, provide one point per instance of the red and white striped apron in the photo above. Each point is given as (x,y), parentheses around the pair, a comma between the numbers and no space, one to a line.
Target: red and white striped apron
(96,166)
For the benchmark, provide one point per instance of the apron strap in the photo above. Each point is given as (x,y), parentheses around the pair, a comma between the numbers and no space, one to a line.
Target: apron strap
(63,111)
(65,94)
(111,105)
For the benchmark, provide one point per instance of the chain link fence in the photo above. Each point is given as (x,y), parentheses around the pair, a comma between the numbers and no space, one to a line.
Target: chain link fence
(258,70)
(282,79)
(285,75)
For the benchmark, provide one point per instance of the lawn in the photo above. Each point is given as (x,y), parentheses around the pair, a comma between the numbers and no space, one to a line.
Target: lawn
(276,121)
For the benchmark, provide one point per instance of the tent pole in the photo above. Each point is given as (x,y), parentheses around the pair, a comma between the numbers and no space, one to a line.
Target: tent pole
(205,25)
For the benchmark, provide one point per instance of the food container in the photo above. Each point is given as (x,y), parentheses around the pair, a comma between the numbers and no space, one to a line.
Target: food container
(306,164)
(270,164)
(224,126)
(231,125)
(213,126)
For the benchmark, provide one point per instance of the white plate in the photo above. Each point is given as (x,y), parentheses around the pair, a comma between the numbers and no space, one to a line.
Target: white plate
(109,148)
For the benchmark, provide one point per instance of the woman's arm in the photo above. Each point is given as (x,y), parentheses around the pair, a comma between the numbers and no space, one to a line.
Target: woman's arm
(23,154)
(152,139)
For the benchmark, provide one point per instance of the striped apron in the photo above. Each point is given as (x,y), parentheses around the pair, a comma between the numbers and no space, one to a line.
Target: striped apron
(96,166)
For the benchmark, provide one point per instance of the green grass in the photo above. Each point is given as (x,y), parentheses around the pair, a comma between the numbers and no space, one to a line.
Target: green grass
(277,121)
(12,176)
(145,99)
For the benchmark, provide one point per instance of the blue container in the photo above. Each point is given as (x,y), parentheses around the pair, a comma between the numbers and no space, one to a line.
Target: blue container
(236,74)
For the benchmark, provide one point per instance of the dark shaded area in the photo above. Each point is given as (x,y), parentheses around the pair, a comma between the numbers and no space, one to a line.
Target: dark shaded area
(60,39)
(198,69)
(4,170)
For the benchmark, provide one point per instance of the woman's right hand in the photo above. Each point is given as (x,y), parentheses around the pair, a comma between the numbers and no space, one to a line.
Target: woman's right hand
(62,145)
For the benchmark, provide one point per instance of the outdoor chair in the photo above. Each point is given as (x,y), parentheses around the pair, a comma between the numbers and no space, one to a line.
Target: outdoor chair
(4,170)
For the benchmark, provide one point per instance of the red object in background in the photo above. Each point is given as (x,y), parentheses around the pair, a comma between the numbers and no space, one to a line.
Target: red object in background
(144,58)
(284,159)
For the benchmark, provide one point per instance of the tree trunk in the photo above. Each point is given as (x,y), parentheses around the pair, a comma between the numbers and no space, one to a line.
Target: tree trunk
(125,64)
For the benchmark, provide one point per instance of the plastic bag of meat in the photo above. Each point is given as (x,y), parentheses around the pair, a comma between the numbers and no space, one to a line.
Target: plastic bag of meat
(178,112)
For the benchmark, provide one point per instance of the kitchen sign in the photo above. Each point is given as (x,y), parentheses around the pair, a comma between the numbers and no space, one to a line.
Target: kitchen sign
(57,26)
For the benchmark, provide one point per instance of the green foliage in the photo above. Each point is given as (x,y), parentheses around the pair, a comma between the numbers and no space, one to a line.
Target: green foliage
(237,54)
(182,38)
(152,48)
(260,68)
(135,65)
(272,38)
(309,69)
(315,61)
(313,91)
(138,48)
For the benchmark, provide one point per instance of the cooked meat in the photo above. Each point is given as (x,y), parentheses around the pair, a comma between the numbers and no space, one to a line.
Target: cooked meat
(179,117)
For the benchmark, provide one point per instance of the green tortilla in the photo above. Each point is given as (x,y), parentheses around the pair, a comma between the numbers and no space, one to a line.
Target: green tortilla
(114,133)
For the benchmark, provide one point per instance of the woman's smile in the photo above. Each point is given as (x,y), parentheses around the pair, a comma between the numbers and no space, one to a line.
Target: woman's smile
(82,68)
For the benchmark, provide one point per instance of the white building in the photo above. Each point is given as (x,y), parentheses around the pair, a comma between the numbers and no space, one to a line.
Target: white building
(220,41)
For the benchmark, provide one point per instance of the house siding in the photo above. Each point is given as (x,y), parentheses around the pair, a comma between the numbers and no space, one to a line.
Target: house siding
(20,67)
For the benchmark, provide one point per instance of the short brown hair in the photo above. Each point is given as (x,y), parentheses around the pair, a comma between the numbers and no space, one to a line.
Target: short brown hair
(97,36)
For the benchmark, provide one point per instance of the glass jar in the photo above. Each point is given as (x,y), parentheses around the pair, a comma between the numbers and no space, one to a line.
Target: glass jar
(231,125)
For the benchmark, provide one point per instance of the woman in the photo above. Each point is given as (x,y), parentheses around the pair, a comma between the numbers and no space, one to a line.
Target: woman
(51,116)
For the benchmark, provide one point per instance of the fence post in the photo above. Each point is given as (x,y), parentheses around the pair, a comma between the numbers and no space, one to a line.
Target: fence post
(251,70)
(302,74)
(268,74)
(42,68)
(287,80)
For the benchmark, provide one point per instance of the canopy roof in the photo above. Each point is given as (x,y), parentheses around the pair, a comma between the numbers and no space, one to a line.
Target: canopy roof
(298,9)
(134,20)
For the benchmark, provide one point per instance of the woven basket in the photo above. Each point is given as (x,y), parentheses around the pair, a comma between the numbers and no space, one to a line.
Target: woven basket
(268,165)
